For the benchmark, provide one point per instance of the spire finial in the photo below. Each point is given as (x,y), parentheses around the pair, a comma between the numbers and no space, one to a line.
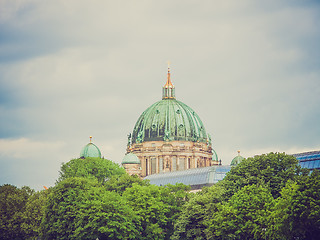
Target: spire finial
(169,83)
(238,152)
(90,139)
(168,88)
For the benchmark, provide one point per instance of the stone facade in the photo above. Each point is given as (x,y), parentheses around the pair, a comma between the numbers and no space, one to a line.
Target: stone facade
(132,168)
(162,156)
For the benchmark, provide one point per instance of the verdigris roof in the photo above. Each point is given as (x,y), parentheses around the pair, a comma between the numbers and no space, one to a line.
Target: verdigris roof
(90,150)
(168,120)
(130,158)
(236,160)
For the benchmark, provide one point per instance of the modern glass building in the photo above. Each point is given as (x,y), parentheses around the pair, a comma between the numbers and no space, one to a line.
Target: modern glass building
(195,177)
(310,160)
(207,176)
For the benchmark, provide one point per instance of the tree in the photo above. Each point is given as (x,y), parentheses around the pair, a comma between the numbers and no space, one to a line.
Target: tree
(194,219)
(156,208)
(120,183)
(174,196)
(296,214)
(305,208)
(99,168)
(12,206)
(33,214)
(80,208)
(244,216)
(280,220)
(272,170)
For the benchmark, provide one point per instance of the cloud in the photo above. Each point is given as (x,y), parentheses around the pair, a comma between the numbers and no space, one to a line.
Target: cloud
(26,162)
(70,69)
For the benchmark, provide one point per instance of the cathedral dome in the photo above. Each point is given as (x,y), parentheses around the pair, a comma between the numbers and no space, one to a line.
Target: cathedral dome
(236,160)
(90,150)
(130,158)
(168,120)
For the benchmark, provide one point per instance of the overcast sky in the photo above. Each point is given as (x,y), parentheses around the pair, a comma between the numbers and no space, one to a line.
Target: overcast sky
(71,69)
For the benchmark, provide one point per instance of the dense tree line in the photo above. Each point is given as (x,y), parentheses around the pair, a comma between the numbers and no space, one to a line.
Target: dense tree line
(264,197)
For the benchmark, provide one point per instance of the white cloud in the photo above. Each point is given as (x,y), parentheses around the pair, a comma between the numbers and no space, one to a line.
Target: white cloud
(70,69)
(32,163)
(26,148)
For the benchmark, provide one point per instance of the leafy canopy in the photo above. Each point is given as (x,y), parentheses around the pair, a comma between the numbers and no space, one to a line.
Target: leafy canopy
(81,208)
(99,168)
(195,215)
(272,170)
(120,183)
(12,205)
(156,208)
(244,216)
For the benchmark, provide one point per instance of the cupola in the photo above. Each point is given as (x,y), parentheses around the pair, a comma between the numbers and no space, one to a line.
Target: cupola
(90,150)
(130,158)
(236,160)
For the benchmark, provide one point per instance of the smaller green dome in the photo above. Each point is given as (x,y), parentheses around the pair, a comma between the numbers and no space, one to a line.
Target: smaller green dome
(237,159)
(214,155)
(90,150)
(130,158)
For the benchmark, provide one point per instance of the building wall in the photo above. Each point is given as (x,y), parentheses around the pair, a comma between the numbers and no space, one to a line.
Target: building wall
(162,156)
(132,169)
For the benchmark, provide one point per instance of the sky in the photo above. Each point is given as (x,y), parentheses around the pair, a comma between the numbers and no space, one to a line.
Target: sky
(74,69)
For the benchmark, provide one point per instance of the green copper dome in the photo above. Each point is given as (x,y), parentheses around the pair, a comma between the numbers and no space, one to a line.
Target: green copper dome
(168,120)
(90,150)
(236,160)
(130,158)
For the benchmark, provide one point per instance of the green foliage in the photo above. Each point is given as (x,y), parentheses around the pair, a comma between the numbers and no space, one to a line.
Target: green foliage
(305,208)
(12,205)
(244,216)
(296,214)
(33,214)
(120,183)
(101,169)
(174,196)
(280,221)
(156,208)
(272,170)
(80,208)
(196,214)
(264,197)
